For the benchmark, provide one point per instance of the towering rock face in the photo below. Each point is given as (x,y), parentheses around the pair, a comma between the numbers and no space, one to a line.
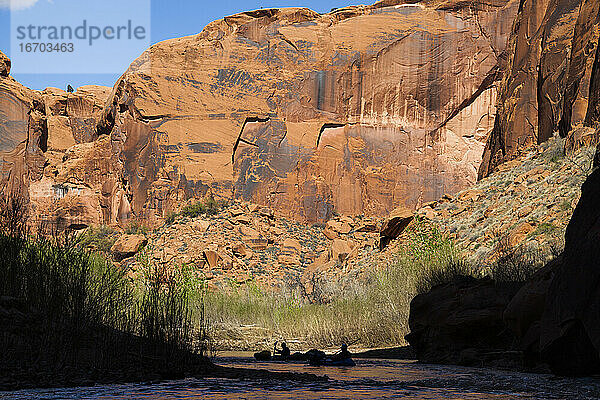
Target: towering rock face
(359,110)
(22,130)
(44,137)
(551,80)
(77,161)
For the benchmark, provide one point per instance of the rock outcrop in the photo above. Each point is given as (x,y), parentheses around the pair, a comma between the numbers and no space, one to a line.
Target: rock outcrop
(551,80)
(22,134)
(396,222)
(52,157)
(360,110)
(4,65)
(554,317)
(461,322)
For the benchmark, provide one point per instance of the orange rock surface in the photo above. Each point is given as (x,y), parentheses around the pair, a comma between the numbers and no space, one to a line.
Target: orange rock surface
(360,110)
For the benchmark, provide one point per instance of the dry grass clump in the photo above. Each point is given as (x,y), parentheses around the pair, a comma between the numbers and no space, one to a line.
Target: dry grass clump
(371,312)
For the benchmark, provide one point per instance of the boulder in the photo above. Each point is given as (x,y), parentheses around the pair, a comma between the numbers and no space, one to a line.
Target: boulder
(200,225)
(249,233)
(289,259)
(225,261)
(394,225)
(212,258)
(242,219)
(241,250)
(236,212)
(341,227)
(128,246)
(330,233)
(266,212)
(340,250)
(291,246)
(257,244)
(367,227)
(461,322)
(276,231)
(4,65)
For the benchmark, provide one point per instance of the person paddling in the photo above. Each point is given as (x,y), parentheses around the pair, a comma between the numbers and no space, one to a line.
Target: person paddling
(343,354)
(284,353)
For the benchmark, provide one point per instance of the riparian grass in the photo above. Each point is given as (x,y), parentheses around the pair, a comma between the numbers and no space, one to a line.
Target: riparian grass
(371,312)
(77,296)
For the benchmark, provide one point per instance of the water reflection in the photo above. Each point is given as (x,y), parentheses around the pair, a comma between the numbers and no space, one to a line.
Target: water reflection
(371,379)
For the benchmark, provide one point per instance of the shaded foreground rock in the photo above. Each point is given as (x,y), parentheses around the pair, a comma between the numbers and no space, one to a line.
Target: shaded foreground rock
(462,323)
(570,325)
(554,317)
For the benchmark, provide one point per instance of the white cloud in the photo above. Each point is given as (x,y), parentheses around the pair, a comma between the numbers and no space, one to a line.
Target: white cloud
(17,4)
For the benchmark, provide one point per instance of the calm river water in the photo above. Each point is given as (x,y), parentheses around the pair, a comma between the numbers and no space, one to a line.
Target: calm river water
(370,379)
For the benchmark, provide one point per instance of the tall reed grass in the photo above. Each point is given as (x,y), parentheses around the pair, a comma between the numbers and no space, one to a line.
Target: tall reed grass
(79,309)
(370,312)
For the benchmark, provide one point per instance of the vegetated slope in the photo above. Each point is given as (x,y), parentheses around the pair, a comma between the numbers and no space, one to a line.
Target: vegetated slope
(527,203)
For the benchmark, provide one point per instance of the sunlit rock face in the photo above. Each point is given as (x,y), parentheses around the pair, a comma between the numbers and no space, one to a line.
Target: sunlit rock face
(22,128)
(50,154)
(356,111)
(551,81)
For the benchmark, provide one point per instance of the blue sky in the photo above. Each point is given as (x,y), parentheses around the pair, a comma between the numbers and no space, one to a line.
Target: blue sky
(169,19)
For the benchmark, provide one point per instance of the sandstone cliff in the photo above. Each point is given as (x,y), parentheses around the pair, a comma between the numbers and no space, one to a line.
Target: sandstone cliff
(44,150)
(550,82)
(356,111)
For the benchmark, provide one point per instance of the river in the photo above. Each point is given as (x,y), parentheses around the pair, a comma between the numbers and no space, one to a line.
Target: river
(370,379)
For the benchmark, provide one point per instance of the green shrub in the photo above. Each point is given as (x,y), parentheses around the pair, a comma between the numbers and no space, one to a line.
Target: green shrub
(136,228)
(209,206)
(565,205)
(98,238)
(545,228)
(171,217)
